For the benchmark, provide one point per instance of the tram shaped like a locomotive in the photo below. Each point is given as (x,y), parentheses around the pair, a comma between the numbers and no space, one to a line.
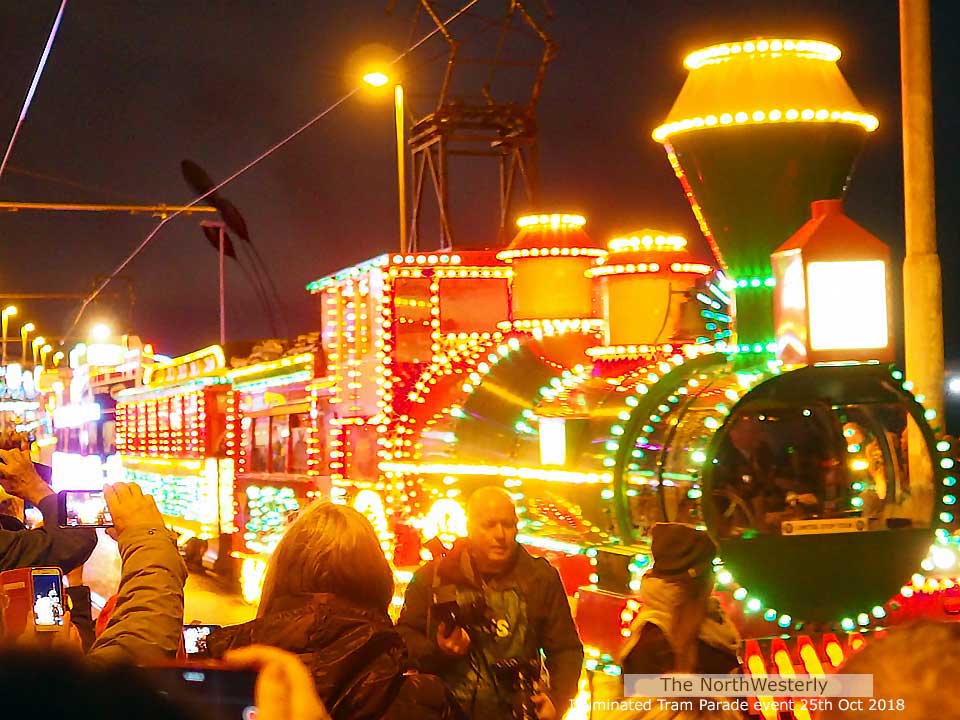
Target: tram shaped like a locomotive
(746,389)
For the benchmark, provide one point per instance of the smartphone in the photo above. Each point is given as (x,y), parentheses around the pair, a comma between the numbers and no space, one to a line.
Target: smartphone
(207,689)
(47,598)
(83,508)
(195,639)
(31,595)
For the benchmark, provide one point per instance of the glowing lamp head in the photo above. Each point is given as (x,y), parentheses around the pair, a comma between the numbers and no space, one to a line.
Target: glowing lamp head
(9,310)
(555,221)
(100,332)
(376,78)
(647,242)
(39,341)
(830,297)
(28,328)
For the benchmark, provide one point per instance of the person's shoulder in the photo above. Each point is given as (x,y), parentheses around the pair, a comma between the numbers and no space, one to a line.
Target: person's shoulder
(536,567)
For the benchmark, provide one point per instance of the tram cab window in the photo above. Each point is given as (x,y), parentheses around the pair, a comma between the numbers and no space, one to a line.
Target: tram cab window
(472,304)
(279,442)
(260,440)
(299,433)
(360,446)
(780,464)
(412,320)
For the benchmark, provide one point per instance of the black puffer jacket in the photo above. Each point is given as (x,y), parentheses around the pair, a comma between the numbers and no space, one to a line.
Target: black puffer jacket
(357,659)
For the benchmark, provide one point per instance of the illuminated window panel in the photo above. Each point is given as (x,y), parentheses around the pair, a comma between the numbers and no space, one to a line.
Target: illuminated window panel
(847,304)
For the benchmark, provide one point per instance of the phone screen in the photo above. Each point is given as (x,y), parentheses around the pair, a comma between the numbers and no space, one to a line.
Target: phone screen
(195,638)
(84,508)
(48,599)
(211,693)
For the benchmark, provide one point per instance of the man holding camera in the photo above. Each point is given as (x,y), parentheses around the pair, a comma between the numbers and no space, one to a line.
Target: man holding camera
(480,616)
(66,548)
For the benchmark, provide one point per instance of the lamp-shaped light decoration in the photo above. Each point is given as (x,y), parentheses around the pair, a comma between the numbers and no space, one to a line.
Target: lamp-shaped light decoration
(831,300)
(656,271)
(550,256)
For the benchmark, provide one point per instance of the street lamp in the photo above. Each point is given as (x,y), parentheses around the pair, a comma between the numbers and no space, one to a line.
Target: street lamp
(100,332)
(57,357)
(25,330)
(378,79)
(44,351)
(38,342)
(7,312)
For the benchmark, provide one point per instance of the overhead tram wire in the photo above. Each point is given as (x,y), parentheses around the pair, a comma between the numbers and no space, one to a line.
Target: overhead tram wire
(269,151)
(33,85)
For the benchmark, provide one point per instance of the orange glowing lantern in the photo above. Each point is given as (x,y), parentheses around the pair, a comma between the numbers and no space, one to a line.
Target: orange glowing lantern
(831,301)
(652,270)
(550,255)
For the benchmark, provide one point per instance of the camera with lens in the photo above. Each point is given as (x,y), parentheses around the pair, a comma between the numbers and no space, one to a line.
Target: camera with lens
(519,677)
(467,609)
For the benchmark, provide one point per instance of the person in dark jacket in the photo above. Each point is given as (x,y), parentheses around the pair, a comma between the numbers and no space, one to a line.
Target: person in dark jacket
(680,627)
(49,545)
(325,597)
(526,612)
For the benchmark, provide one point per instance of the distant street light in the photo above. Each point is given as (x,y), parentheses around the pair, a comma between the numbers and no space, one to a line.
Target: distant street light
(57,357)
(25,330)
(378,79)
(953,385)
(38,342)
(44,351)
(7,312)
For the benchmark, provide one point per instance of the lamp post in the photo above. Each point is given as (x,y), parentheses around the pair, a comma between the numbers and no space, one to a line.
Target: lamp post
(44,351)
(379,79)
(7,312)
(25,330)
(922,299)
(38,342)
(57,357)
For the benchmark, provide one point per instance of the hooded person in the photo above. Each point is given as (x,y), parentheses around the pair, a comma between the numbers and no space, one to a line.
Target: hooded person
(681,626)
(325,598)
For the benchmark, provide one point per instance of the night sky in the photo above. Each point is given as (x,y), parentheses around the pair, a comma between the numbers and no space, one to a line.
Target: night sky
(133,87)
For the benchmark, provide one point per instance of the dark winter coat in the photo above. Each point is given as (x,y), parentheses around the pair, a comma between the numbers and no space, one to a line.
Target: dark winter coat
(357,658)
(528,612)
(653,655)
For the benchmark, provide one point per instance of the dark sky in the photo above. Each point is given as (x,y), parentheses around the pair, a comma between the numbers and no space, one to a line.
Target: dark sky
(134,86)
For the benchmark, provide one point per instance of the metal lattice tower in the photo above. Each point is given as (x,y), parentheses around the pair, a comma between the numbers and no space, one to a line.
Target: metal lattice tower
(472,119)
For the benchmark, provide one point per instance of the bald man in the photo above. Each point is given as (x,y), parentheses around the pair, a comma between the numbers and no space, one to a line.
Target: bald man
(519,609)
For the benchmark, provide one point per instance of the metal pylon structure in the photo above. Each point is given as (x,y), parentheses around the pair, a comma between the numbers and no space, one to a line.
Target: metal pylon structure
(478,124)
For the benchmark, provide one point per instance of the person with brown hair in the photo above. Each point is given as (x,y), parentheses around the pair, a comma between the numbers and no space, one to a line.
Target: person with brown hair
(325,598)
(680,627)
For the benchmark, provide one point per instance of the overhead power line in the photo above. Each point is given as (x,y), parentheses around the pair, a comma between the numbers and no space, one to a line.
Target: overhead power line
(269,151)
(33,85)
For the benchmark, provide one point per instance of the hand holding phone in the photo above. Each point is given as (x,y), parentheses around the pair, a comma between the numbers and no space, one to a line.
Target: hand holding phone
(33,600)
(285,689)
(129,506)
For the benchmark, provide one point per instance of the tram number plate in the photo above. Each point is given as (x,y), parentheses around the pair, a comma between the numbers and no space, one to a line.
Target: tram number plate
(823,527)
